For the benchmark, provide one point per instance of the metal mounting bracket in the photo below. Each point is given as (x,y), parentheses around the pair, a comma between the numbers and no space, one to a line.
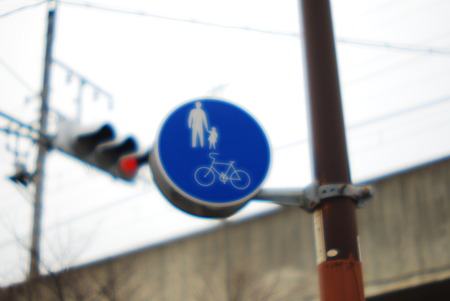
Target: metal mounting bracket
(309,198)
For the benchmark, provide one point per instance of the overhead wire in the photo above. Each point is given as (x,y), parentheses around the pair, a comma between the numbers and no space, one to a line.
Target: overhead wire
(72,72)
(412,48)
(18,77)
(418,49)
(395,46)
(88,213)
(408,110)
(102,208)
(388,116)
(398,137)
(406,11)
(374,8)
(23,8)
(167,18)
(373,44)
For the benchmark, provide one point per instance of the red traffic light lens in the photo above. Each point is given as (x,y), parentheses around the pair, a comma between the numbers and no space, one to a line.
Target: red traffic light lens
(128,166)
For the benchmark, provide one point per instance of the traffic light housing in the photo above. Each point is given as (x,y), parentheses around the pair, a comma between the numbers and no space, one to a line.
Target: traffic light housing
(97,146)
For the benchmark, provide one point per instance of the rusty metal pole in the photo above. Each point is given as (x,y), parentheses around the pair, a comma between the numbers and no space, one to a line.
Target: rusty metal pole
(337,245)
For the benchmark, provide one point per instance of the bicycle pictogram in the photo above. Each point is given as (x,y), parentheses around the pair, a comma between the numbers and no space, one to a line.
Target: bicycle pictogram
(206,176)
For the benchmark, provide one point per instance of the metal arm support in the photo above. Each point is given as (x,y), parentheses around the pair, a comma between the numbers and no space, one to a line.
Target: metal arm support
(310,197)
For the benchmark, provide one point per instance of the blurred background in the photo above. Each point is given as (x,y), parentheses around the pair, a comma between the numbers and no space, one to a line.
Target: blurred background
(130,63)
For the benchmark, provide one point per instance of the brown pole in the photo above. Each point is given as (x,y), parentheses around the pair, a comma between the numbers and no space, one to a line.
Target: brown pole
(337,247)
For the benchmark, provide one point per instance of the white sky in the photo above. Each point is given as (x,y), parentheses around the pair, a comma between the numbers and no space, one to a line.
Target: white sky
(152,62)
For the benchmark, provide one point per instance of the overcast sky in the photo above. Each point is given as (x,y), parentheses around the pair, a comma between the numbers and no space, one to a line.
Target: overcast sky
(141,59)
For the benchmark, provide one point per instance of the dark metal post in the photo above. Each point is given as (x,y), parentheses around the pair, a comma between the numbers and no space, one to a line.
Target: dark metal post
(39,177)
(337,246)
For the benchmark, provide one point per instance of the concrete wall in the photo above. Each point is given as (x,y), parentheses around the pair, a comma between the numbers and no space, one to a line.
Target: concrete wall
(404,235)
(405,231)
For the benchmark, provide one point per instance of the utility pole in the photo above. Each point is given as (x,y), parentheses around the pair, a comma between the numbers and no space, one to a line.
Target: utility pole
(337,245)
(43,147)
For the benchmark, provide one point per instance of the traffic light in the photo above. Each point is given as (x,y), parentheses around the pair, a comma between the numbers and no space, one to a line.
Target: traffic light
(97,146)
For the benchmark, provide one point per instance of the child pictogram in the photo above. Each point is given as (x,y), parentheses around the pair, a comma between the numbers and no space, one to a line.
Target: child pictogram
(213,136)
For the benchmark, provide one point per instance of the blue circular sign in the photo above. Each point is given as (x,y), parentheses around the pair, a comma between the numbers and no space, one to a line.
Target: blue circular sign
(212,152)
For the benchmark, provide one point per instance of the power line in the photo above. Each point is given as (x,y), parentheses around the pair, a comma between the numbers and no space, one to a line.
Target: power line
(192,21)
(18,77)
(88,213)
(101,209)
(23,8)
(398,64)
(18,134)
(412,109)
(402,112)
(71,72)
(83,81)
(392,46)
(23,124)
(349,41)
